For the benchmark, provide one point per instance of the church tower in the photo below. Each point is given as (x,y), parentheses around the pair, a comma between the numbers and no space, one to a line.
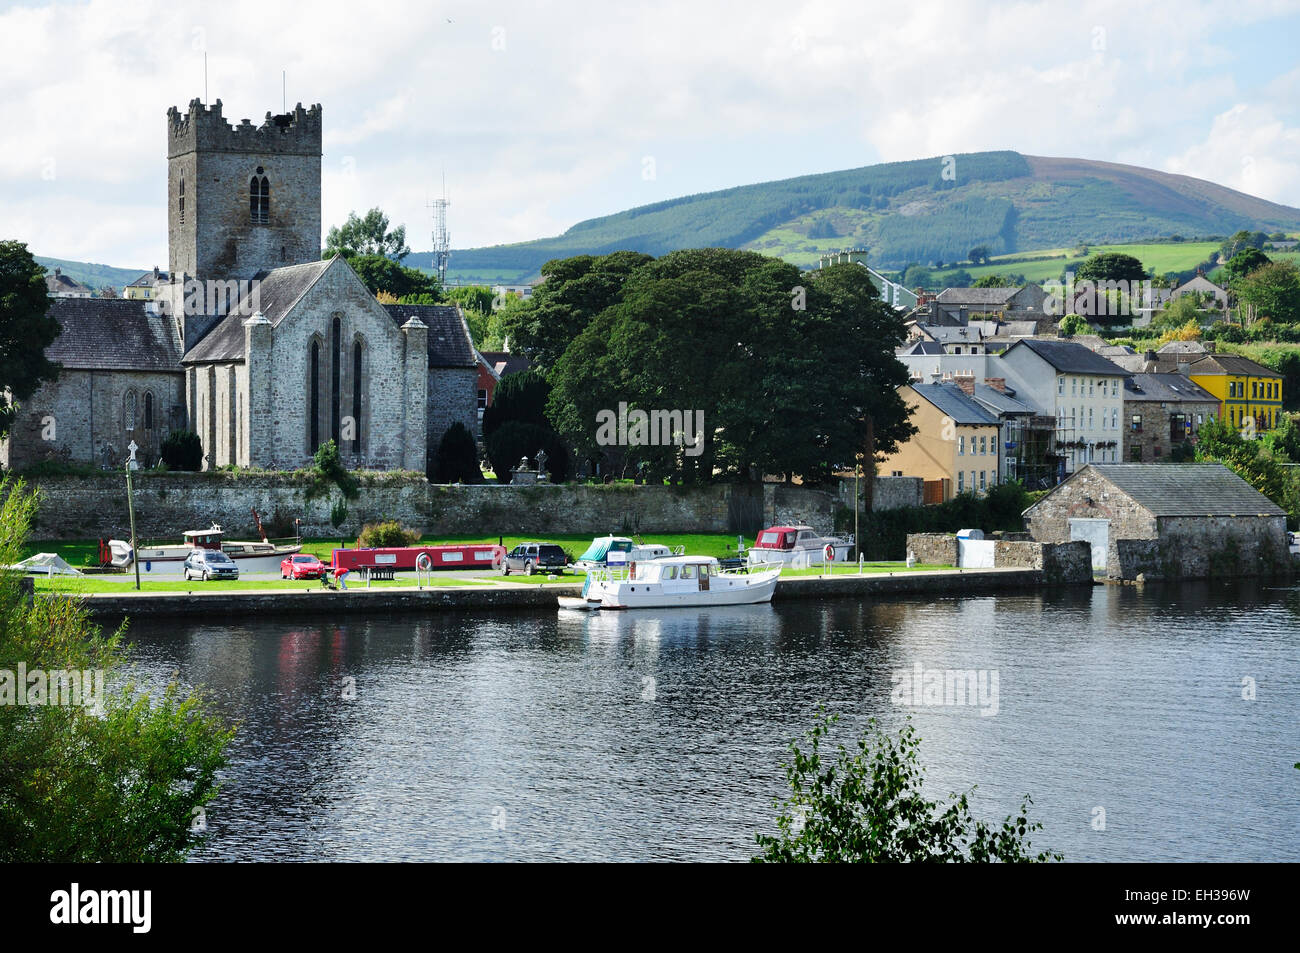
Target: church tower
(241,199)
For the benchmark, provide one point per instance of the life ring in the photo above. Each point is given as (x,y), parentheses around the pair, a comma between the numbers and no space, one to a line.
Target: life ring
(830,553)
(631,572)
(423,562)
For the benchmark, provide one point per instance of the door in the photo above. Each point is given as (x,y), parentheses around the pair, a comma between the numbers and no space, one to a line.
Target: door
(1095,532)
(704,579)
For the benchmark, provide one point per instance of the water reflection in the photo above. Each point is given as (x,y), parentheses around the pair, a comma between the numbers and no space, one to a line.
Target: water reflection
(659,735)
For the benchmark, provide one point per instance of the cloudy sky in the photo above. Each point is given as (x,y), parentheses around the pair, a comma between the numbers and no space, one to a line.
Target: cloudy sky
(543,114)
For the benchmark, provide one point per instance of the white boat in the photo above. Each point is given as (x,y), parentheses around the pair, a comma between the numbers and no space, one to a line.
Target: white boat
(797,546)
(169,559)
(677,581)
(620,550)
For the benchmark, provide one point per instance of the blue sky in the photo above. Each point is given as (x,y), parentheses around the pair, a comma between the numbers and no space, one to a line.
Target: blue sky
(543,114)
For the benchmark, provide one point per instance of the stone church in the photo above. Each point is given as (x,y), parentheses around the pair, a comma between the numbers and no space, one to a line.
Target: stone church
(250,339)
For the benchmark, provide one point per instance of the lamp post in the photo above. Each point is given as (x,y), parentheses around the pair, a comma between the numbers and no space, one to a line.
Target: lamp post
(130,507)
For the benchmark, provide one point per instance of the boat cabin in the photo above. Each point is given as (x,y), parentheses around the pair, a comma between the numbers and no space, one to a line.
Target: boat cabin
(786,538)
(204,538)
(676,573)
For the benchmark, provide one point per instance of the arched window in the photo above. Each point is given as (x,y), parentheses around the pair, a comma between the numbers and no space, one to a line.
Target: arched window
(181,200)
(259,199)
(129,409)
(356,397)
(313,388)
(148,410)
(336,374)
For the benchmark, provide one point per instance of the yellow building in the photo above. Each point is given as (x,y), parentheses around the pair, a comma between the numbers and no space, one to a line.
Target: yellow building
(1244,389)
(142,288)
(955,448)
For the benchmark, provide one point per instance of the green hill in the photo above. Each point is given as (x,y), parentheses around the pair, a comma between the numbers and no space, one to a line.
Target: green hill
(91,275)
(905,212)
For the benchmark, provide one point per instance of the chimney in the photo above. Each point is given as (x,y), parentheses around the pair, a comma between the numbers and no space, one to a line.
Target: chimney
(1149,356)
(966,382)
(57,272)
(156,273)
(999,384)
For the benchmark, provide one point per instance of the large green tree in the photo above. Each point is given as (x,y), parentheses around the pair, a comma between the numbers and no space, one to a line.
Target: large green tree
(1272,291)
(382,274)
(26,329)
(1243,263)
(1110,266)
(369,235)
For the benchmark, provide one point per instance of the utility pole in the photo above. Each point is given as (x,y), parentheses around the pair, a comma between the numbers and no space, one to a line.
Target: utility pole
(130,508)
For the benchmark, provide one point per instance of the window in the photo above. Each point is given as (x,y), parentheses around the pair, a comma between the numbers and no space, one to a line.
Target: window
(259,199)
(129,409)
(336,374)
(356,397)
(982,483)
(482,398)
(180,196)
(1074,387)
(1091,384)
(1089,418)
(1135,453)
(1114,418)
(961,446)
(1060,386)
(1135,423)
(1177,427)
(961,481)
(984,445)
(1156,450)
(313,388)
(148,410)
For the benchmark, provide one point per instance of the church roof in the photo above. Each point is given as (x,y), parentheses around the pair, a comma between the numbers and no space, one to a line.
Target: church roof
(449,340)
(112,334)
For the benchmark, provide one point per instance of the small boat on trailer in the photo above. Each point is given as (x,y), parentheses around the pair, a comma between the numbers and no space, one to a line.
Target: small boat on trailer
(169,559)
(676,581)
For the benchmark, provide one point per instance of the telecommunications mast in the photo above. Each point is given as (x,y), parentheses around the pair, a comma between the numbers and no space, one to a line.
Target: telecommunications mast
(441,238)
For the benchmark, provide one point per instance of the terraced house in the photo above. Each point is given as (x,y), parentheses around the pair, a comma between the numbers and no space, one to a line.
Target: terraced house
(955,449)
(1245,390)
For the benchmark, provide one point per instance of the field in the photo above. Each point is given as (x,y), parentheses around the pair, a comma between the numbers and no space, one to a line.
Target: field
(1048,264)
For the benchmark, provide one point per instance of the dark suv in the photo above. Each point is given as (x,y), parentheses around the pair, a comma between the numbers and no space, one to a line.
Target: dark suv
(533,557)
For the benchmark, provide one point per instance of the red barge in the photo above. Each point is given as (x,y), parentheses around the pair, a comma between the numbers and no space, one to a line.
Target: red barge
(458,556)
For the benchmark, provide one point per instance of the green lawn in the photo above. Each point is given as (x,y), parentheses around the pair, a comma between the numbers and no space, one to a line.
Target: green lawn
(1161,256)
(98,584)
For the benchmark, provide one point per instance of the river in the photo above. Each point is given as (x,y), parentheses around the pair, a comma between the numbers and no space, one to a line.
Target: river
(1126,713)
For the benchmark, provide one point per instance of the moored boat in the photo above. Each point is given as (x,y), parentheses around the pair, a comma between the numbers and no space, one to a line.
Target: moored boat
(169,559)
(798,546)
(622,550)
(677,581)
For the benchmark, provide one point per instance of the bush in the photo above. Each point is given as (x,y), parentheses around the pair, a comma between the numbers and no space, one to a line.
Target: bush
(517,439)
(183,450)
(327,468)
(386,533)
(883,534)
(457,460)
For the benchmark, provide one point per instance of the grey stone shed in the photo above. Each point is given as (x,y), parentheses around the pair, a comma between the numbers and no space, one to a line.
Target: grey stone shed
(1165,521)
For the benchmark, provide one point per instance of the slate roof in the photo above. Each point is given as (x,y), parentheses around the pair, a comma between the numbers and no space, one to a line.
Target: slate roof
(449,340)
(1169,388)
(277,293)
(1182,347)
(503,363)
(963,334)
(1230,364)
(148,279)
(113,334)
(58,283)
(1069,358)
(953,401)
(1186,489)
(922,347)
(976,296)
(998,402)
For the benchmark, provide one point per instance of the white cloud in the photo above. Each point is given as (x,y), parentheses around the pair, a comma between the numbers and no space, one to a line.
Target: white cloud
(540,114)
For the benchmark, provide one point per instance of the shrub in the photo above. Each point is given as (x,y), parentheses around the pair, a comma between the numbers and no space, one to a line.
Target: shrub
(327,468)
(457,460)
(386,533)
(183,450)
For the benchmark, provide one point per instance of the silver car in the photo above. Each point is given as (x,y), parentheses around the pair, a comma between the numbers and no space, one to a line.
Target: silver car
(208,564)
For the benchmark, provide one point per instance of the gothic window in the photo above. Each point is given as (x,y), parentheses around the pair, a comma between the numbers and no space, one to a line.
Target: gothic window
(356,397)
(181,197)
(336,373)
(129,408)
(313,388)
(259,199)
(148,410)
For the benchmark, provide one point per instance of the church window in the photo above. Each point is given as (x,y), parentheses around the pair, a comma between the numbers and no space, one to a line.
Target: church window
(130,409)
(336,373)
(259,199)
(148,410)
(314,388)
(356,397)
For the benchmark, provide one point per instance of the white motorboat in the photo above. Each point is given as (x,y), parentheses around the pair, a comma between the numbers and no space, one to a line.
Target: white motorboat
(797,546)
(169,559)
(622,550)
(677,581)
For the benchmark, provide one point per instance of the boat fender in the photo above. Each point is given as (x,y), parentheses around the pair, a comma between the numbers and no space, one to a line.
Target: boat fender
(631,573)
(423,562)
(830,553)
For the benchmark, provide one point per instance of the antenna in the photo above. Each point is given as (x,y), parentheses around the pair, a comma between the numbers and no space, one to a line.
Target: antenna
(284,91)
(441,237)
(205,76)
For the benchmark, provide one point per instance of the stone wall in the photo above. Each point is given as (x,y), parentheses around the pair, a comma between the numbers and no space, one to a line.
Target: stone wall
(891,493)
(1088,496)
(1059,562)
(935,549)
(167,504)
(1153,442)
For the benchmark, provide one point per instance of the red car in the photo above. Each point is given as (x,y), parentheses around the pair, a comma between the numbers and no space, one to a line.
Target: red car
(301,566)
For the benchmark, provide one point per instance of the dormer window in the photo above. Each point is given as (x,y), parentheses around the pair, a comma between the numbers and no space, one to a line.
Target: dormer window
(259,199)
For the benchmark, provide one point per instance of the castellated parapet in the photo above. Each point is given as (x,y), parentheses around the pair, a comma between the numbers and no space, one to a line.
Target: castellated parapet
(205,129)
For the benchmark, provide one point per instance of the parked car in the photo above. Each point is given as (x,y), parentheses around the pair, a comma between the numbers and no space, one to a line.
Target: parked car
(301,566)
(533,557)
(208,564)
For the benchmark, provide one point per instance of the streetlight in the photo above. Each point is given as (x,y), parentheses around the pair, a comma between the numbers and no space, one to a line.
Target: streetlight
(130,505)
